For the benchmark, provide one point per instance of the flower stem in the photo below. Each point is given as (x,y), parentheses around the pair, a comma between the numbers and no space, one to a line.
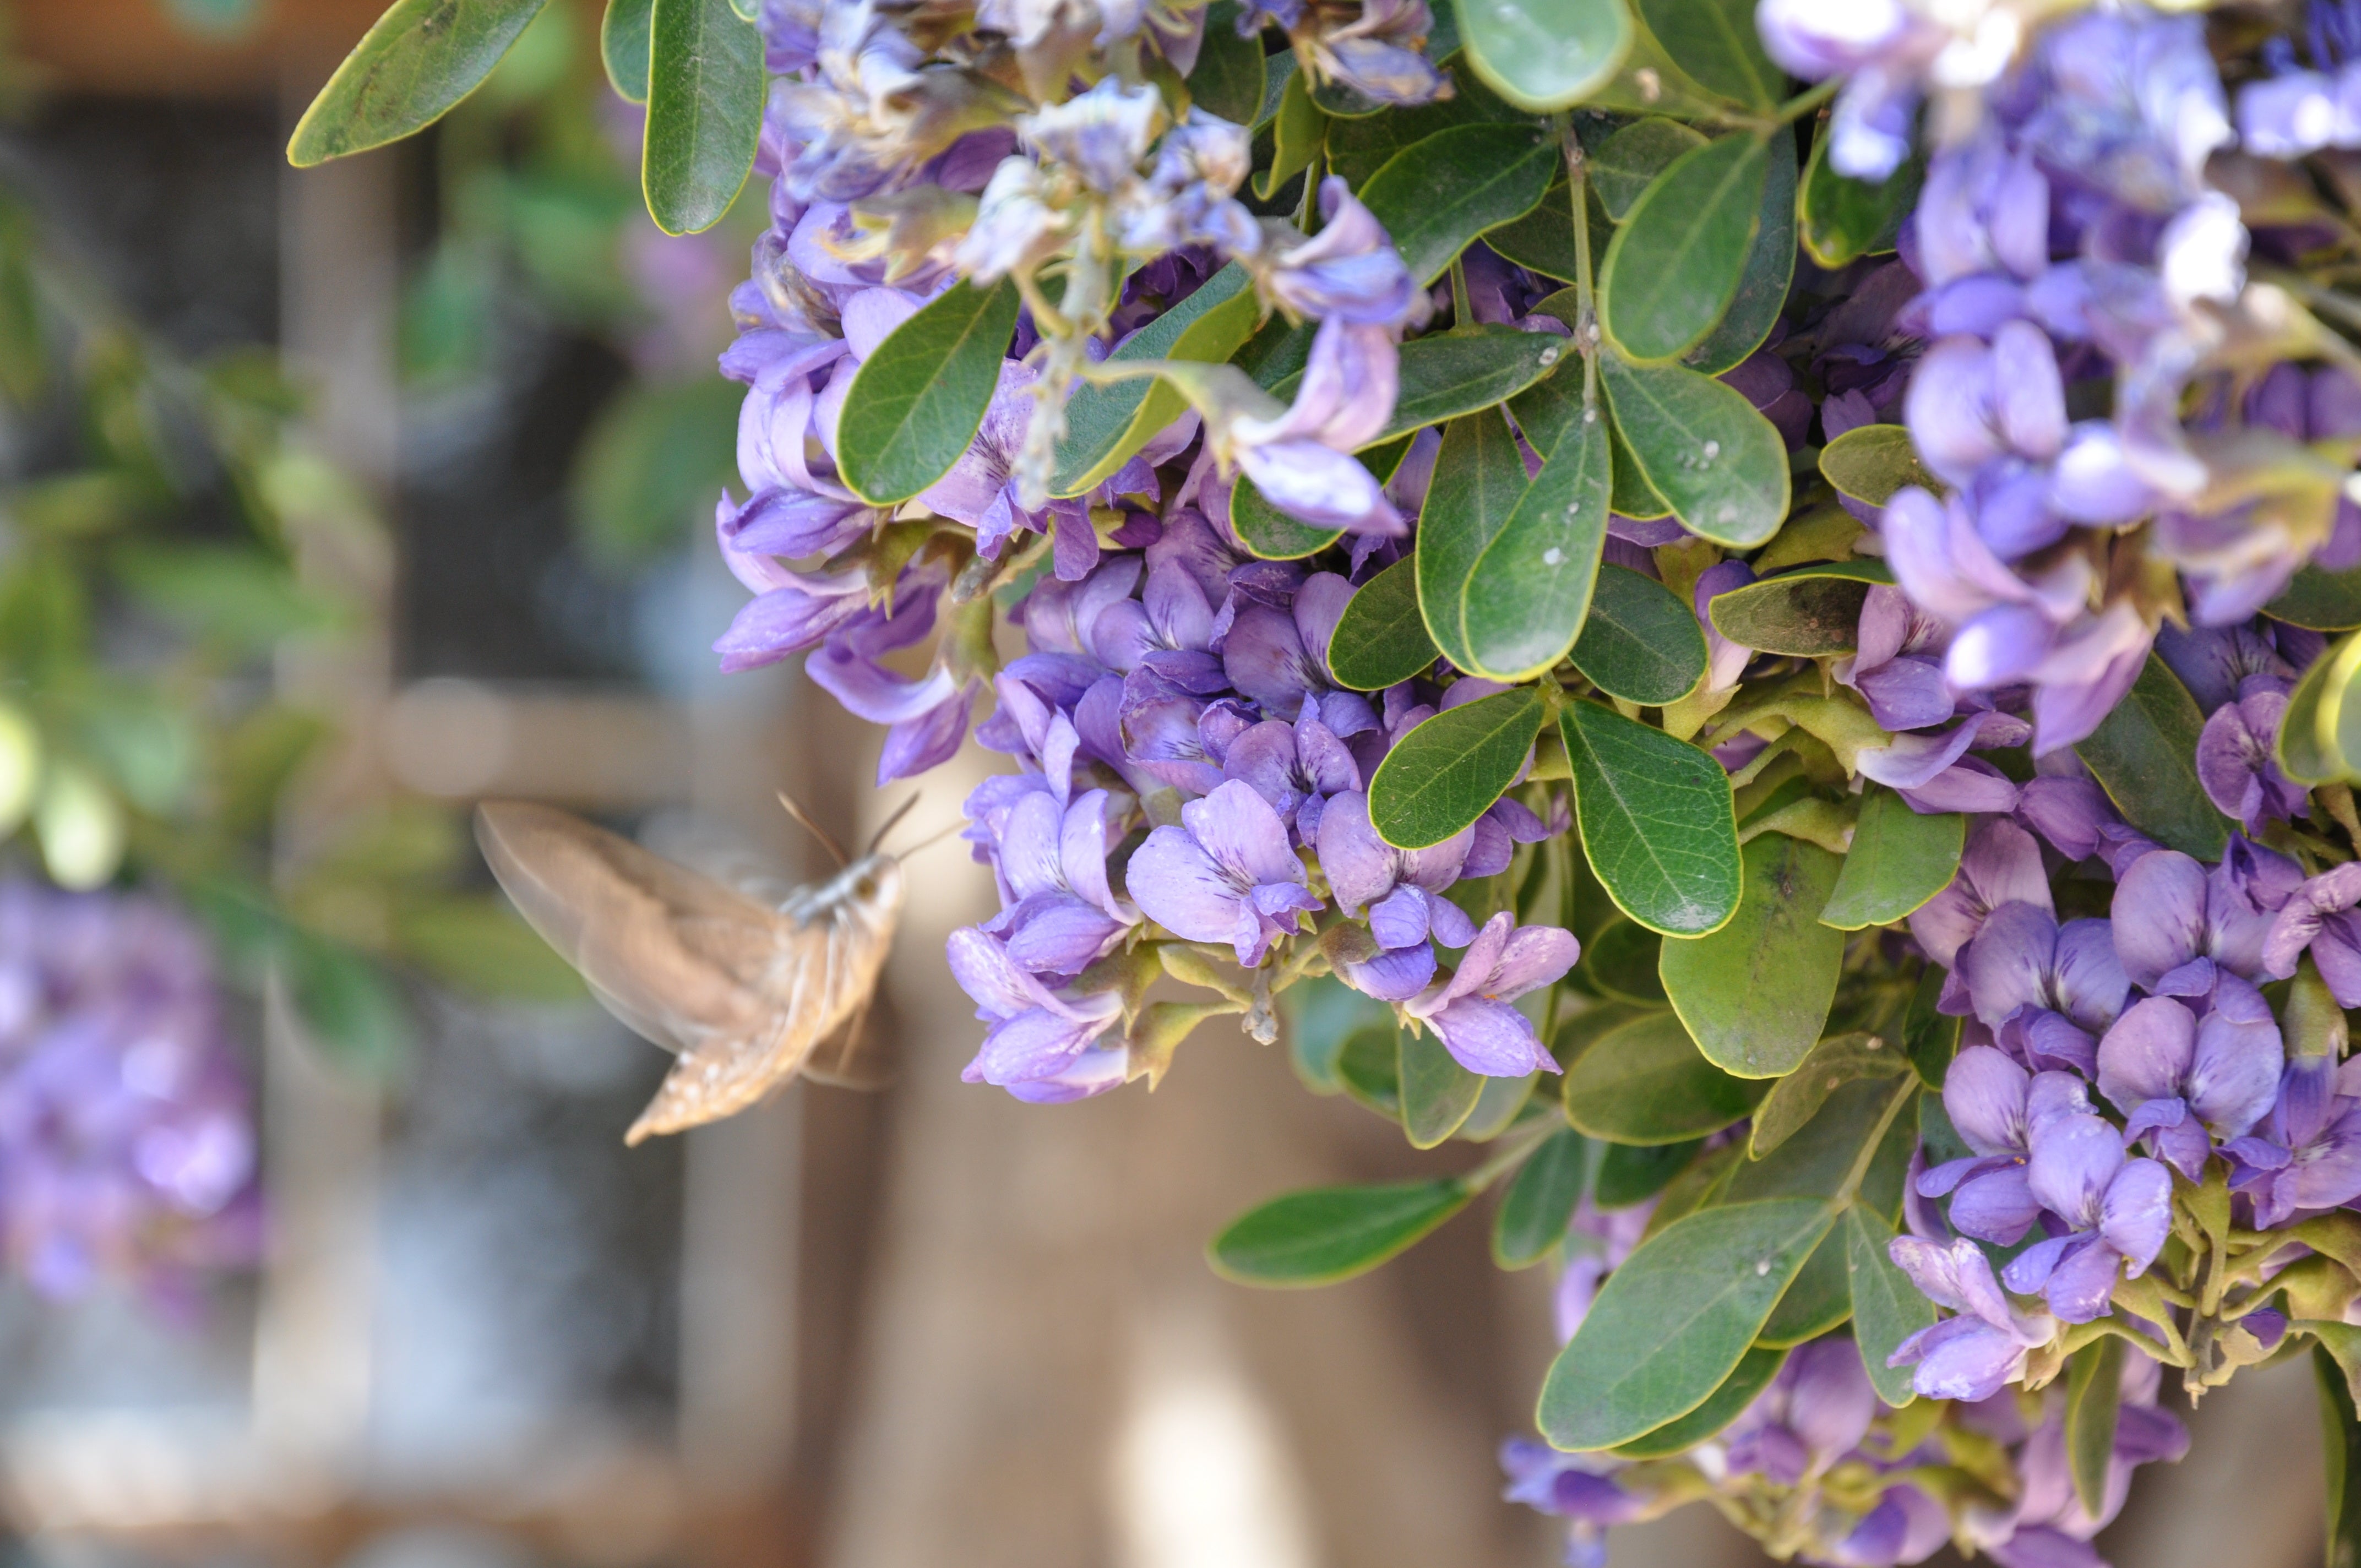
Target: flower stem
(1586,316)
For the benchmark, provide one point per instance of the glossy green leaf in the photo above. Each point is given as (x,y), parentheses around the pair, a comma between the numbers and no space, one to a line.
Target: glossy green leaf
(1657,823)
(1763,282)
(1499,1106)
(1296,132)
(1645,1081)
(1833,1063)
(2319,600)
(1435,197)
(1844,219)
(1543,240)
(623,47)
(1505,565)
(1634,496)
(2306,750)
(1632,159)
(1720,465)
(1886,1307)
(1809,612)
(704,112)
(1817,1303)
(1368,1068)
(1437,1093)
(1715,42)
(1675,264)
(1619,960)
(1319,1015)
(418,59)
(1640,642)
(1650,83)
(2144,754)
(1448,374)
(1929,1035)
(1755,993)
(1544,55)
(1899,860)
(1328,1234)
(1673,1322)
(1754,1374)
(2094,1386)
(1229,80)
(1869,462)
(919,400)
(1278,71)
(1862,1126)
(1380,640)
(1633,1173)
(1270,534)
(1447,771)
(1358,147)
(1534,1210)
(1107,423)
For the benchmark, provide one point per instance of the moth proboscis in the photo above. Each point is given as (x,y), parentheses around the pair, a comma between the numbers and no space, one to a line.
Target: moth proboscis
(742,992)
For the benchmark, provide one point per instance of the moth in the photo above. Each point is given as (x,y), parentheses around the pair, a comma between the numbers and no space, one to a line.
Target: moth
(744,993)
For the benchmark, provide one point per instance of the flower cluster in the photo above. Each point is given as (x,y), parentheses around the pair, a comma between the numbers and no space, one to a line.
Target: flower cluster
(127,1148)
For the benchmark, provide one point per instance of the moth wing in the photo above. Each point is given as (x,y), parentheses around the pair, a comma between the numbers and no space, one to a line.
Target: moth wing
(679,958)
(856,1057)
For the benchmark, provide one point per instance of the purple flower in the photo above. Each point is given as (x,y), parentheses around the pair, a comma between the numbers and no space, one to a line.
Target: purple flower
(2119,1212)
(1402,892)
(2048,1527)
(2177,1078)
(1226,874)
(2318,917)
(1280,658)
(1302,460)
(1977,1354)
(1997,1105)
(2174,920)
(1815,1411)
(2307,1154)
(1040,1044)
(2002,865)
(2072,812)
(1296,767)
(1350,272)
(2062,984)
(1470,1011)
(1059,914)
(1577,1487)
(1898,668)
(2235,764)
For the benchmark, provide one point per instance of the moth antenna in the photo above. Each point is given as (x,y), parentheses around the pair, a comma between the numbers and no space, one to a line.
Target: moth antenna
(931,839)
(827,840)
(887,826)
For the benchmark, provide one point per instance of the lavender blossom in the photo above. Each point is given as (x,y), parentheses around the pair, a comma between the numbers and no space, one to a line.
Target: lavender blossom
(1042,1046)
(1226,874)
(1469,1012)
(1978,1352)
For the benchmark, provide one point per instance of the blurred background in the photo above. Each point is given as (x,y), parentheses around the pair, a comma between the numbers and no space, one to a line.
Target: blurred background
(332,501)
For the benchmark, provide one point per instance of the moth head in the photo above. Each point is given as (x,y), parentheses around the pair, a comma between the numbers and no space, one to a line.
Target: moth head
(874,881)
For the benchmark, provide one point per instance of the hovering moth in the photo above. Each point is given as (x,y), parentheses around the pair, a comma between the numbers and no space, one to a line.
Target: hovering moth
(742,992)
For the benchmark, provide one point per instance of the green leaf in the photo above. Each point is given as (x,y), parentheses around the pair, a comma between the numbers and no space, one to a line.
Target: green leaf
(1871,461)
(1632,159)
(1543,240)
(623,47)
(1899,860)
(1816,1303)
(1328,1234)
(1755,992)
(1640,642)
(1107,423)
(1834,1062)
(1619,959)
(1645,1081)
(1229,80)
(2094,1387)
(1886,1307)
(1380,640)
(1434,198)
(1358,147)
(1675,264)
(1715,42)
(1931,1037)
(2320,600)
(1534,1210)
(704,112)
(1700,444)
(1296,132)
(1369,1068)
(1504,566)
(2308,751)
(1808,613)
(1673,1322)
(1321,1013)
(235,595)
(2341,1448)
(1437,1093)
(1633,1173)
(418,59)
(1448,770)
(1763,283)
(1499,1106)
(1634,496)
(1544,55)
(1657,823)
(919,400)
(1754,1374)
(1272,535)
(1845,219)
(349,1009)
(2144,754)
(1448,374)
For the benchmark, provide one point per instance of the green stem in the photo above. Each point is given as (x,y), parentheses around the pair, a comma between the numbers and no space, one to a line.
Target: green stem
(1807,102)
(1903,1094)
(1510,1155)
(1585,316)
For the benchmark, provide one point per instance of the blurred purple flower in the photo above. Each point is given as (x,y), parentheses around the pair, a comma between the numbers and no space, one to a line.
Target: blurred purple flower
(1038,1039)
